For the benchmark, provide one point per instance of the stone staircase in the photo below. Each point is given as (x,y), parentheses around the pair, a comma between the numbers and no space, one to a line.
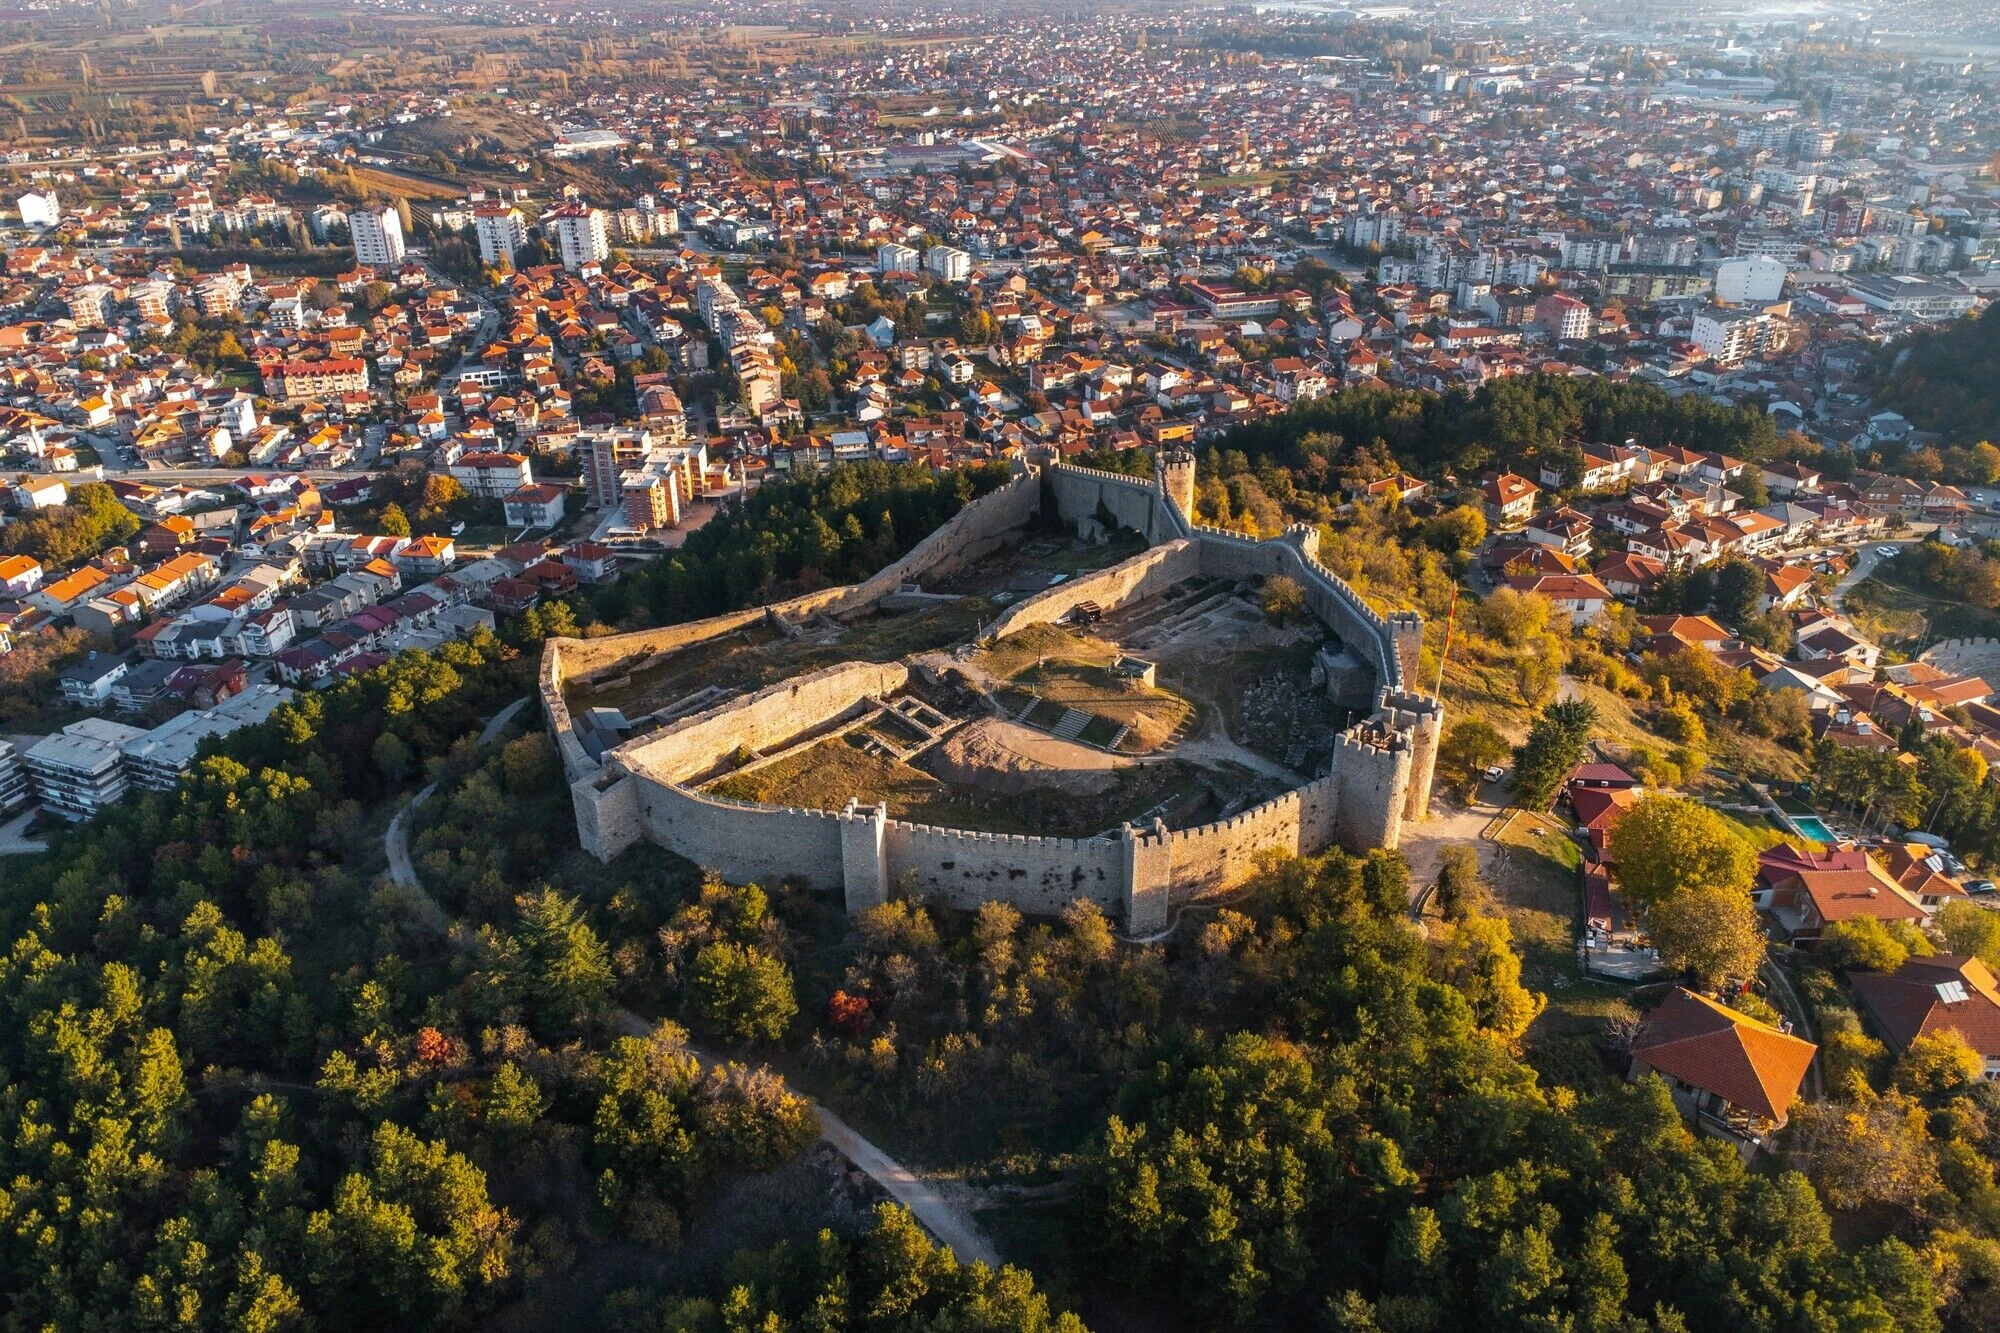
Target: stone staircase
(1072,725)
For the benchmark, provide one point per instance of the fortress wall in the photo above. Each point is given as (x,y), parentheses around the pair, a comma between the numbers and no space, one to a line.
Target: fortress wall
(742,842)
(971,534)
(1380,770)
(1038,875)
(771,717)
(576,761)
(608,814)
(1134,501)
(1219,856)
(1367,634)
(1147,574)
(1372,769)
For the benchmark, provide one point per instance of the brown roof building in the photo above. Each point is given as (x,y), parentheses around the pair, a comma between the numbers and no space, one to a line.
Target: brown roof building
(1925,996)
(1729,1074)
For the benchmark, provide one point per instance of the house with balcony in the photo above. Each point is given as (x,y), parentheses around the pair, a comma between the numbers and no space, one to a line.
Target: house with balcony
(1729,1074)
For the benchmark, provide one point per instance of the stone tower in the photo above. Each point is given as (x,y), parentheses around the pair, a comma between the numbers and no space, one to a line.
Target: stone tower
(1176,469)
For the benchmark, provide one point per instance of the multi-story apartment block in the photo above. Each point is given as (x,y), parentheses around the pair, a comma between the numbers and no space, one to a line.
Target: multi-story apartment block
(80,770)
(14,789)
(947,264)
(377,233)
(578,235)
(296,381)
(500,232)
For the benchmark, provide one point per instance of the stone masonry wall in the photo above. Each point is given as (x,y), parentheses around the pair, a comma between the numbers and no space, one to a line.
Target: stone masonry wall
(745,843)
(1151,572)
(974,532)
(1135,502)
(774,715)
(1039,875)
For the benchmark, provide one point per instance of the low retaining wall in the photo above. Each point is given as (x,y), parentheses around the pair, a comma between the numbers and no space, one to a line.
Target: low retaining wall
(773,716)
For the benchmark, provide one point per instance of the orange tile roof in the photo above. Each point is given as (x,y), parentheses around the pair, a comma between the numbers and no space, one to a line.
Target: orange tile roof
(1718,1050)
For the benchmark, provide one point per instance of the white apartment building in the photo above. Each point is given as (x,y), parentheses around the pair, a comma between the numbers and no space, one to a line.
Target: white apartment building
(1900,294)
(500,231)
(578,235)
(1730,336)
(947,264)
(895,258)
(1383,227)
(1749,280)
(378,236)
(13,780)
(80,770)
(39,208)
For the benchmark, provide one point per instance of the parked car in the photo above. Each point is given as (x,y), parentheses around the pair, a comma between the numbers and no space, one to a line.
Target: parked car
(1495,773)
(1982,888)
(1888,552)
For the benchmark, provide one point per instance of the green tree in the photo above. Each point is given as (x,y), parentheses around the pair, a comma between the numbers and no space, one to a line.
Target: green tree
(741,994)
(1460,890)
(1708,930)
(1970,929)
(1557,742)
(1470,747)
(566,969)
(394,521)
(412,1241)
(1666,845)
(1283,599)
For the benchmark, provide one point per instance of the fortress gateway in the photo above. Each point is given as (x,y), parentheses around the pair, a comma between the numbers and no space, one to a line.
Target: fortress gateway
(1377,777)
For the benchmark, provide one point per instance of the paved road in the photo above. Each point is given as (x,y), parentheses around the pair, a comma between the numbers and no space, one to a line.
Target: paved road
(396,839)
(11,841)
(903,1185)
(1862,569)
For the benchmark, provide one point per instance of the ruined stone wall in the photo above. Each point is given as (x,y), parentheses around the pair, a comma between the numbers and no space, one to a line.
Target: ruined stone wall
(1135,502)
(692,746)
(1147,574)
(976,531)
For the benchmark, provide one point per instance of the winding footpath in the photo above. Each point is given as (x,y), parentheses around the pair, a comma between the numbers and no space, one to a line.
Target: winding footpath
(906,1187)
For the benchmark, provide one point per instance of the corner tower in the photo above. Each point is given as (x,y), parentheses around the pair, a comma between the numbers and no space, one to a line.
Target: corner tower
(1176,469)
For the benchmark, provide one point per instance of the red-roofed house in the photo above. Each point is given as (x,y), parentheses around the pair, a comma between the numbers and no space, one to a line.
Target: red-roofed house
(1925,996)
(1728,1073)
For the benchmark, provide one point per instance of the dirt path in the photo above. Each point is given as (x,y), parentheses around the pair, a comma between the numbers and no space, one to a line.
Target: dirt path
(1214,745)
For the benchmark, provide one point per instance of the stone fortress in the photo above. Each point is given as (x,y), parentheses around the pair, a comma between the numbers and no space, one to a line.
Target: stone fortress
(1377,777)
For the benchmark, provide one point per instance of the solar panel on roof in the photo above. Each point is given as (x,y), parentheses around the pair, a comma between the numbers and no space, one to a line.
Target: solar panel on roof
(1951,992)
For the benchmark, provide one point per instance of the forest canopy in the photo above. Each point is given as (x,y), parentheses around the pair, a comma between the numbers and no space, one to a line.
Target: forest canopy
(1948,380)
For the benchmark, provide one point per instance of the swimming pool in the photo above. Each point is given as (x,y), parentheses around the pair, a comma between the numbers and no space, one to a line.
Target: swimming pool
(1812,828)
